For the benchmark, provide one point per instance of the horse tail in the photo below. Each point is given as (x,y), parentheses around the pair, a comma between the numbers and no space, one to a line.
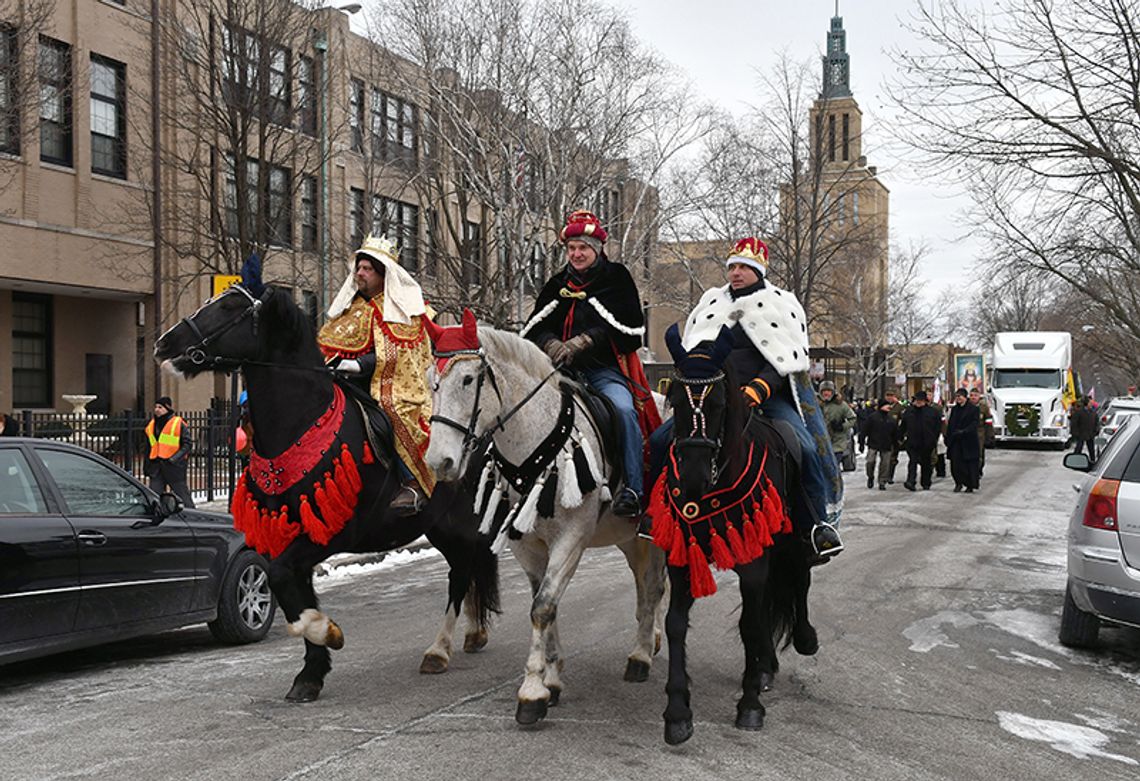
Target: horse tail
(788,574)
(484,589)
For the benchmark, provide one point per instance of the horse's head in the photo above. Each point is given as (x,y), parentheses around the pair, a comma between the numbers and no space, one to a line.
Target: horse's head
(702,408)
(465,396)
(222,329)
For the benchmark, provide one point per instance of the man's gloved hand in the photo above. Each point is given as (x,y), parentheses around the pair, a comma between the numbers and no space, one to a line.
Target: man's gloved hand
(558,352)
(755,392)
(578,345)
(349,366)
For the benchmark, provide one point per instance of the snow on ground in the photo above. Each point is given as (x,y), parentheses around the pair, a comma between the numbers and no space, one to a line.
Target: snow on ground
(397,558)
(1073,739)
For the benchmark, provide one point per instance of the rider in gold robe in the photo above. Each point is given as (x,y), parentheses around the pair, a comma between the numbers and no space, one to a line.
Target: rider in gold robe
(375,334)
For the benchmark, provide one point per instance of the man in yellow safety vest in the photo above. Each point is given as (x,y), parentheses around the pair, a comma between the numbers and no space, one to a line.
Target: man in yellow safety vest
(169,451)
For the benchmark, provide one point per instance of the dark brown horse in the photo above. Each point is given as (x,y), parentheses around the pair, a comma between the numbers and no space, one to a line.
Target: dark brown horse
(316,486)
(722,498)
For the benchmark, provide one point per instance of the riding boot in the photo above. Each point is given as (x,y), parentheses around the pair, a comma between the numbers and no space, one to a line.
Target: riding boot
(627,504)
(409,499)
(825,540)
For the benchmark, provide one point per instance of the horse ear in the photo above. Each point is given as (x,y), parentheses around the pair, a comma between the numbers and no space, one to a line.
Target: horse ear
(470,328)
(673,342)
(722,346)
(433,331)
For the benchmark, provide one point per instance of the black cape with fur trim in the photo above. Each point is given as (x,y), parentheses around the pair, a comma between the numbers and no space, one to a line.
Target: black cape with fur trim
(611,310)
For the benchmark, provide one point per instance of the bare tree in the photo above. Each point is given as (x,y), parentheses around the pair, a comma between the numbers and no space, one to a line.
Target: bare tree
(22,22)
(532,108)
(1036,106)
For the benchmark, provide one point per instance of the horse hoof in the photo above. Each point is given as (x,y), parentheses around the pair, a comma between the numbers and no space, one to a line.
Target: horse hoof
(805,641)
(304,691)
(334,638)
(433,665)
(530,712)
(636,671)
(476,641)
(555,696)
(749,719)
(766,681)
(677,732)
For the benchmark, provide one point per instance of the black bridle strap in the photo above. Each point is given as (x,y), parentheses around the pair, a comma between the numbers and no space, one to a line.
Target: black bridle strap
(197,353)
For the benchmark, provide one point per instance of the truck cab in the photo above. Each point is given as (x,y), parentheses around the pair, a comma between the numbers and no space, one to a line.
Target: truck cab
(1027,384)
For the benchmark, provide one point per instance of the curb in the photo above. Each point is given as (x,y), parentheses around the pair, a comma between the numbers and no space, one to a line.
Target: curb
(221,506)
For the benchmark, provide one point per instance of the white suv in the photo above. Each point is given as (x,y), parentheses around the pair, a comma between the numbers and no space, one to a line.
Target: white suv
(1104,540)
(1119,409)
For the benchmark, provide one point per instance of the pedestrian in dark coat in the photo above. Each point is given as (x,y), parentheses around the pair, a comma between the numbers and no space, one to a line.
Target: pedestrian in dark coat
(920,429)
(169,451)
(1083,428)
(962,443)
(880,437)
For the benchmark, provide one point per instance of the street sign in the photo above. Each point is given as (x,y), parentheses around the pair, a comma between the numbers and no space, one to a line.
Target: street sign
(223,282)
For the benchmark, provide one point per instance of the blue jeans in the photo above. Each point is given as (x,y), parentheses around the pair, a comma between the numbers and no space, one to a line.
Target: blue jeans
(611,383)
(810,505)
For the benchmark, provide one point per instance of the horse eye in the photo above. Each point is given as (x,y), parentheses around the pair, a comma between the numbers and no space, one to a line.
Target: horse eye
(467,381)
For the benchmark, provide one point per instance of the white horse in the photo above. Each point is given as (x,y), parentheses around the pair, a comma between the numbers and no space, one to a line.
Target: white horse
(499,386)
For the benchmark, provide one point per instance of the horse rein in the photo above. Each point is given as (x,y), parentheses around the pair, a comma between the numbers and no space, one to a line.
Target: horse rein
(698,425)
(471,440)
(197,353)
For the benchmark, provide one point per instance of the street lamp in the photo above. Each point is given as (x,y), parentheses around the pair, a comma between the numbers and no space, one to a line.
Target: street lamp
(322,46)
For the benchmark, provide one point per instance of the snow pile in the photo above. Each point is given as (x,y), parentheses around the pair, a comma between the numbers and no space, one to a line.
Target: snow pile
(394,559)
(1073,739)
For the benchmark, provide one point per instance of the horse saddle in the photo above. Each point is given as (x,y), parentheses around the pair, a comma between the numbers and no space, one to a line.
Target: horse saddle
(605,420)
(377,427)
(758,422)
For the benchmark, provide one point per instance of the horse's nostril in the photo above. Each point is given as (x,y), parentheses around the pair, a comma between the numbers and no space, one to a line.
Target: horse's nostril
(446,466)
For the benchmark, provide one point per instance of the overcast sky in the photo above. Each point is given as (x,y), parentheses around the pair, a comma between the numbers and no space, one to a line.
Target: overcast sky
(724,44)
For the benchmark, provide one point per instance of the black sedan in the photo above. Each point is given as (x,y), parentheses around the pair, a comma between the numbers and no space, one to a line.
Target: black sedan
(89,555)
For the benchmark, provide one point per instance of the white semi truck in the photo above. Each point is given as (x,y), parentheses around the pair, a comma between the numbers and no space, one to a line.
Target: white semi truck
(1027,383)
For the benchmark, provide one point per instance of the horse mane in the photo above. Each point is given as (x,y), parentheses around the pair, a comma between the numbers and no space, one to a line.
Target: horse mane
(288,329)
(514,349)
(735,417)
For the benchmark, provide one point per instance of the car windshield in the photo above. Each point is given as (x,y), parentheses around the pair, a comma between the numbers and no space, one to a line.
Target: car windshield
(1027,378)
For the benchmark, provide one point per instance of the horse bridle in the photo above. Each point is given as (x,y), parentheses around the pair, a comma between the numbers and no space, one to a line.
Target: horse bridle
(198,353)
(471,440)
(698,427)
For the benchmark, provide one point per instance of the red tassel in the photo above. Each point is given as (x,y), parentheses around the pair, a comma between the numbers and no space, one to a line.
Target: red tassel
(722,556)
(773,496)
(344,485)
(678,556)
(332,490)
(283,533)
(737,546)
(237,501)
(351,473)
(701,582)
(367,457)
(663,522)
(752,540)
(313,526)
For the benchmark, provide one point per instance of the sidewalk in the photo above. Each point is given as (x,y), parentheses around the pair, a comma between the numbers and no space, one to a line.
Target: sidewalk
(338,560)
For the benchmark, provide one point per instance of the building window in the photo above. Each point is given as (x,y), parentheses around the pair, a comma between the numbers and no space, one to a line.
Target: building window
(433,241)
(472,253)
(54,69)
(240,53)
(108,117)
(393,127)
(233,195)
(356,217)
(31,350)
(9,80)
(279,226)
(306,96)
(251,82)
(831,138)
(841,209)
(309,306)
(855,208)
(356,113)
(309,213)
(279,87)
(400,222)
(846,137)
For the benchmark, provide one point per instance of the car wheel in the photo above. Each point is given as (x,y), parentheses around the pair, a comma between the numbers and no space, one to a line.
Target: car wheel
(246,605)
(1078,628)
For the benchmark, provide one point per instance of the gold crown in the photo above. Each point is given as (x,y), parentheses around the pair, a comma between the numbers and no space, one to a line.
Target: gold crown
(380,245)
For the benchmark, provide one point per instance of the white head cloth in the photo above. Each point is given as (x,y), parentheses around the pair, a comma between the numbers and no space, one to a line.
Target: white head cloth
(403,298)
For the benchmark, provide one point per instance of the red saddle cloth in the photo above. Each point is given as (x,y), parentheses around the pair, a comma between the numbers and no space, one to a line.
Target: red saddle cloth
(730,526)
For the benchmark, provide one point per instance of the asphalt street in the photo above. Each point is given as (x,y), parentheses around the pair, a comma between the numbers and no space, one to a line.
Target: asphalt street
(938,660)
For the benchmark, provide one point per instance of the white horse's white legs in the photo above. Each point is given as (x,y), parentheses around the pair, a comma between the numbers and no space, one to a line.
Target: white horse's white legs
(438,655)
(647,563)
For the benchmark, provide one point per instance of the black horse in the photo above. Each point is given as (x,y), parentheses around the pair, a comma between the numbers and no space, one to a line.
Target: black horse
(316,486)
(722,497)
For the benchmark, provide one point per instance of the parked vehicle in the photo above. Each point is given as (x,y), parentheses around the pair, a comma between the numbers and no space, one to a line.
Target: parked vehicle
(1027,380)
(89,555)
(1113,415)
(1104,540)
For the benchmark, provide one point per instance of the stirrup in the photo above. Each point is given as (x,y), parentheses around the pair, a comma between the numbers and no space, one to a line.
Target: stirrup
(829,552)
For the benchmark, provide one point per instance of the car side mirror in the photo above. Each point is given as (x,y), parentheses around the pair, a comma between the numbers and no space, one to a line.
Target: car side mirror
(1078,462)
(168,504)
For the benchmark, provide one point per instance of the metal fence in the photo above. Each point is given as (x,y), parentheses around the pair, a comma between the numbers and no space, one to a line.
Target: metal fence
(121,438)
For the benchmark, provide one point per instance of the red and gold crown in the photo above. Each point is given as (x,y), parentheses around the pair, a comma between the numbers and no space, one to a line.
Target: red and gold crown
(749,249)
(583,223)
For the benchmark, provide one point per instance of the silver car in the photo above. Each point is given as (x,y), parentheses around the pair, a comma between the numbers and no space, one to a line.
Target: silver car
(1104,540)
